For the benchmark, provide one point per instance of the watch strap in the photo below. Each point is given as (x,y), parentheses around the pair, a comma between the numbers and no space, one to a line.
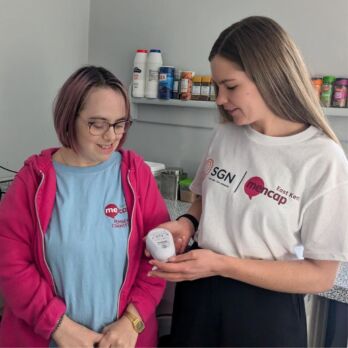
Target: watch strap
(131,316)
(136,321)
(193,220)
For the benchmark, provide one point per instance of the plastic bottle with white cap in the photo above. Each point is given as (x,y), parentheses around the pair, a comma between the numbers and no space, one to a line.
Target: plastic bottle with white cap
(154,62)
(139,67)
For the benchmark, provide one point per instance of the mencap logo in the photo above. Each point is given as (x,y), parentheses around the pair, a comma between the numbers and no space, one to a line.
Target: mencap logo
(209,163)
(255,186)
(111,210)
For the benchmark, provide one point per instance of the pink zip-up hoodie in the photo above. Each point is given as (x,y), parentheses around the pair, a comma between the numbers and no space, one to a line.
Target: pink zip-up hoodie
(31,306)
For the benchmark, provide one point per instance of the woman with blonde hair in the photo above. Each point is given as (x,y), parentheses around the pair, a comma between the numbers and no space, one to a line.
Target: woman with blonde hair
(268,227)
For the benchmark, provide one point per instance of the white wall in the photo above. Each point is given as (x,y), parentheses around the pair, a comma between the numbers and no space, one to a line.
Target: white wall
(185,31)
(42,42)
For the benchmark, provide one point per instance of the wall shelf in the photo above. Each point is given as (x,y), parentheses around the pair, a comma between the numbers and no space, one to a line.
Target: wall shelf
(175,112)
(176,102)
(208,112)
(340,112)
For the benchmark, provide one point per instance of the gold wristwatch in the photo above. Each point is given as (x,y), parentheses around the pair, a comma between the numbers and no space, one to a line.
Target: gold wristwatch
(138,324)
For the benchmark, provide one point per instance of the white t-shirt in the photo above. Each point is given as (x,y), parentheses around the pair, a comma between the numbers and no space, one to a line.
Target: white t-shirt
(265,197)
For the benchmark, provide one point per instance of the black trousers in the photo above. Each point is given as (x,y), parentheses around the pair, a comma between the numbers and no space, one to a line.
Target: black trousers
(221,312)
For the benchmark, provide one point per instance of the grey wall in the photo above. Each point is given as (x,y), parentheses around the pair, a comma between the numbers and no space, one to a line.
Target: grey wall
(42,42)
(185,31)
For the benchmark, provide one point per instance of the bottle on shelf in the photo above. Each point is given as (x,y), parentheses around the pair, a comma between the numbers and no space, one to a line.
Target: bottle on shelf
(176,85)
(205,88)
(212,95)
(326,91)
(317,83)
(138,84)
(186,85)
(165,84)
(196,87)
(154,62)
(339,98)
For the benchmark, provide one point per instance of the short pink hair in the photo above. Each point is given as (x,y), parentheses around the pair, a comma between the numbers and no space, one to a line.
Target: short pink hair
(71,98)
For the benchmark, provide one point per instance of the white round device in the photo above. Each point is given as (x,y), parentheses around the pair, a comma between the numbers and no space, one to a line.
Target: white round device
(160,244)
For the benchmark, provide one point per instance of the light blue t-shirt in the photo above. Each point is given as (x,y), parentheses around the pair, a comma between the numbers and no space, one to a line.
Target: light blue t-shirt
(86,241)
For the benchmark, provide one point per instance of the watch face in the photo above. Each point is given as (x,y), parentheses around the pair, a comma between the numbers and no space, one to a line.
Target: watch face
(139,325)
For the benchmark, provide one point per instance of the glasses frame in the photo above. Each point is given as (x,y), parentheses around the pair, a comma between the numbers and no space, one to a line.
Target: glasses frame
(128,124)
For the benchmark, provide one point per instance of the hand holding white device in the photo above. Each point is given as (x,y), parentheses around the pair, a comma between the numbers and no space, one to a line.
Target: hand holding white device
(160,244)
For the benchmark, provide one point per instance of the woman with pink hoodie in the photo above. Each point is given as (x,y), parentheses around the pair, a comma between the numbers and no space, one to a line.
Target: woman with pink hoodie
(72,265)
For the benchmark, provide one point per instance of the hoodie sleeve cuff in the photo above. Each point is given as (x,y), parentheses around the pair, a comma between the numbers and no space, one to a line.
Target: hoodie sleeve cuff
(49,318)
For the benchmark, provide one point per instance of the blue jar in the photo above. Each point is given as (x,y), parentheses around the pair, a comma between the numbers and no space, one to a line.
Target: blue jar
(166,82)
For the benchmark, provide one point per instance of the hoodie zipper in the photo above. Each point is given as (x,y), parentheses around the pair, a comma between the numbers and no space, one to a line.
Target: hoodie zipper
(130,232)
(42,234)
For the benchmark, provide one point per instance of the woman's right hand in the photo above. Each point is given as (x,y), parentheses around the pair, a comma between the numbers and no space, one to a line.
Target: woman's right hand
(72,334)
(182,231)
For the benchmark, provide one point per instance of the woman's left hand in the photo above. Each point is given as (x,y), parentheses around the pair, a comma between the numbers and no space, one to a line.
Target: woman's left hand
(195,264)
(119,334)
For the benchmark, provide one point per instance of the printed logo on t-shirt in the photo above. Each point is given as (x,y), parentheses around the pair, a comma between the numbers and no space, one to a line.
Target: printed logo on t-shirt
(222,176)
(255,186)
(209,163)
(112,211)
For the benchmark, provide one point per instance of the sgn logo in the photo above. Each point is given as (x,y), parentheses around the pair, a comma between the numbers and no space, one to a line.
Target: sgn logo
(223,174)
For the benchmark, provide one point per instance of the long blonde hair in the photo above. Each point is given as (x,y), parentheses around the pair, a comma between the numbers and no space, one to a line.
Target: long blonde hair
(268,55)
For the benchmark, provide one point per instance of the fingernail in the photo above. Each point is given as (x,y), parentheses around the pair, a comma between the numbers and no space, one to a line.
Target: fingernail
(154,268)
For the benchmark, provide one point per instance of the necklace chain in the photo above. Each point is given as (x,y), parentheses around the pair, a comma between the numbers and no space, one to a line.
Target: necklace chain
(62,157)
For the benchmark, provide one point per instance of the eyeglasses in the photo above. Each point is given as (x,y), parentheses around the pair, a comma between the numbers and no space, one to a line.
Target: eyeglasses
(100,127)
